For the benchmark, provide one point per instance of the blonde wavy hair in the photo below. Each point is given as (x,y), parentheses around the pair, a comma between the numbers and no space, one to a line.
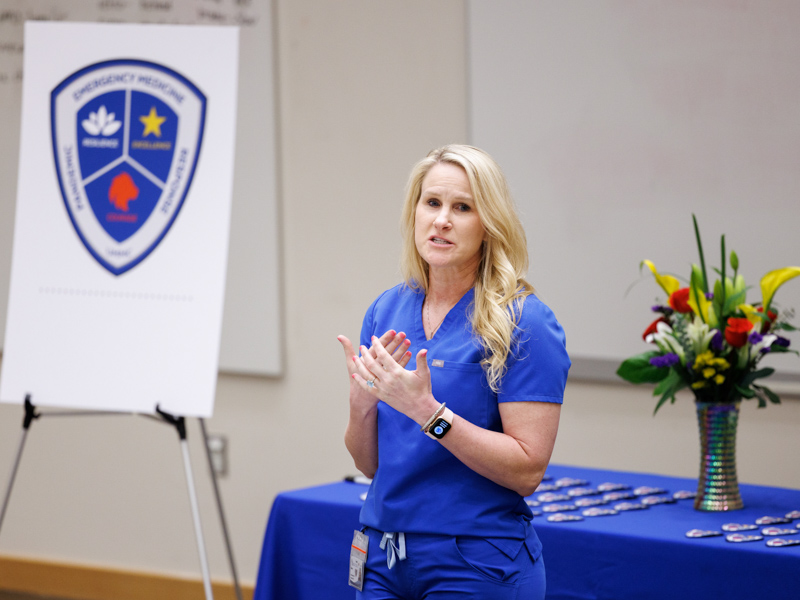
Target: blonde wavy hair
(500,286)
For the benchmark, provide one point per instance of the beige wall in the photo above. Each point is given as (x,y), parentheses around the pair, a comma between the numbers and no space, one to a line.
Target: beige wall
(365,89)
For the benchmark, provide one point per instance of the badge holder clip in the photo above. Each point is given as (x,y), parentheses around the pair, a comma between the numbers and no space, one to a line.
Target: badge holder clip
(358,559)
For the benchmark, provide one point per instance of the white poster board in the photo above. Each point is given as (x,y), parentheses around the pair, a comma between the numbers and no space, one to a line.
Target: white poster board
(252,323)
(122,217)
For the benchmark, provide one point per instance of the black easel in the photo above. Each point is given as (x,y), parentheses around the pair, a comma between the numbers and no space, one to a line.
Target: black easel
(179,423)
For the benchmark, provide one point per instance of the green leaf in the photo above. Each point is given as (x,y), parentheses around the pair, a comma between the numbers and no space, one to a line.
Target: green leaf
(719,294)
(753,375)
(775,348)
(669,394)
(700,251)
(722,244)
(773,397)
(672,380)
(746,392)
(663,399)
(638,369)
(733,301)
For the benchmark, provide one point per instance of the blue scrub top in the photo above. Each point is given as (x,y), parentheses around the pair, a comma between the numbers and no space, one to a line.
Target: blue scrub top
(419,485)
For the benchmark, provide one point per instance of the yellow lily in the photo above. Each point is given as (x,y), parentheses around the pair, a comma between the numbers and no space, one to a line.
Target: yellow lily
(667,282)
(773,280)
(698,301)
(752,315)
(700,305)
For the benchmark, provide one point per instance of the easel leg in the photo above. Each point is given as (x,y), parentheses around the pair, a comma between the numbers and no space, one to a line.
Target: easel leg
(180,425)
(30,415)
(201,548)
(12,477)
(222,519)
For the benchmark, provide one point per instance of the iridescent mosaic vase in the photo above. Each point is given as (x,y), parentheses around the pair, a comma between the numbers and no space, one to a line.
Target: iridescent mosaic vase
(717,486)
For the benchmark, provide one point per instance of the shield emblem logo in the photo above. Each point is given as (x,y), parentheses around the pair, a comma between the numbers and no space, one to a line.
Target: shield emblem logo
(126,139)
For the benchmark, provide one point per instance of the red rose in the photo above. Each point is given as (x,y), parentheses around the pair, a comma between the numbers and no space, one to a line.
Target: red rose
(679,300)
(736,332)
(653,327)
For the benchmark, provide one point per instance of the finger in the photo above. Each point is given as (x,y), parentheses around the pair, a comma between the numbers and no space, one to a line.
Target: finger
(366,365)
(401,351)
(349,352)
(386,338)
(422,365)
(393,345)
(405,359)
(382,357)
(362,383)
(396,350)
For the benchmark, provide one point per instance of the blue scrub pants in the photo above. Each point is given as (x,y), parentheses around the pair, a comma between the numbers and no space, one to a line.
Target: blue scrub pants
(439,567)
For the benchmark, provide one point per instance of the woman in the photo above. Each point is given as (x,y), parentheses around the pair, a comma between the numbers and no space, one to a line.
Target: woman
(445,514)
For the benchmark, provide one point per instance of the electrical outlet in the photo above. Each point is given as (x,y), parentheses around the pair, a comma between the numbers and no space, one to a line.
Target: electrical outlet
(218,448)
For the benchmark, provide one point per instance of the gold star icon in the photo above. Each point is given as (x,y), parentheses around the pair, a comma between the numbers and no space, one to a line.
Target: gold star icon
(152,123)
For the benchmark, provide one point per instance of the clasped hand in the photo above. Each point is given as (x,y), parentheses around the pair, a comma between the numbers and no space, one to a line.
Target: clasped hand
(380,372)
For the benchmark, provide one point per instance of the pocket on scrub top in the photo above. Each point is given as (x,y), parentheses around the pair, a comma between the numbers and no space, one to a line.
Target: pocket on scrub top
(488,560)
(464,388)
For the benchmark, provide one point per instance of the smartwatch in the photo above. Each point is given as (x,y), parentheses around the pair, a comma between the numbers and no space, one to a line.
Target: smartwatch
(441,425)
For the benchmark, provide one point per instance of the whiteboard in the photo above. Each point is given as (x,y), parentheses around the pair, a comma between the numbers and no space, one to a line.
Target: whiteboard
(251,331)
(614,122)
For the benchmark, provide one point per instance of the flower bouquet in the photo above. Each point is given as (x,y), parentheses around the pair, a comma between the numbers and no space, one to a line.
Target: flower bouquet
(709,339)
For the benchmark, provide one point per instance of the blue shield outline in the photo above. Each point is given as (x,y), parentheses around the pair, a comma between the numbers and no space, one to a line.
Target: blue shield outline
(118,249)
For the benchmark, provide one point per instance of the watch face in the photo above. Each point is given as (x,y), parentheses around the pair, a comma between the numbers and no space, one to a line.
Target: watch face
(439,428)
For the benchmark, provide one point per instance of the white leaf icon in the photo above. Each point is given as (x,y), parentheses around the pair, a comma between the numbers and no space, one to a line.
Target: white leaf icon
(90,126)
(112,127)
(101,122)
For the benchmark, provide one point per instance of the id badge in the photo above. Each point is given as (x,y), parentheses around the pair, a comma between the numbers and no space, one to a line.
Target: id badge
(358,558)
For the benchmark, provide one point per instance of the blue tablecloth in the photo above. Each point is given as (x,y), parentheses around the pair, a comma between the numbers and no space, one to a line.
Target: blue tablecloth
(633,555)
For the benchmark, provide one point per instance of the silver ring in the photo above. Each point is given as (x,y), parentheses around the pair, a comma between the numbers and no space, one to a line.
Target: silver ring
(371,382)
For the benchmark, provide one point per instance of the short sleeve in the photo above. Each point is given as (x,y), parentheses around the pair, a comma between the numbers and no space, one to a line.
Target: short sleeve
(538,363)
(368,325)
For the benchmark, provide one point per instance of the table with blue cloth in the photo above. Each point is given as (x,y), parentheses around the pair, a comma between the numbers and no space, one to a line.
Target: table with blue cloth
(637,554)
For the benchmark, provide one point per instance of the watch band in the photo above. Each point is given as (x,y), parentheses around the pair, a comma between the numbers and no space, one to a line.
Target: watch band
(427,424)
(441,425)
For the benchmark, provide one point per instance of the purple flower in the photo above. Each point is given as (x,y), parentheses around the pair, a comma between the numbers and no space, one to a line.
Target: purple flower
(667,360)
(782,341)
(709,295)
(716,341)
(755,337)
(664,310)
